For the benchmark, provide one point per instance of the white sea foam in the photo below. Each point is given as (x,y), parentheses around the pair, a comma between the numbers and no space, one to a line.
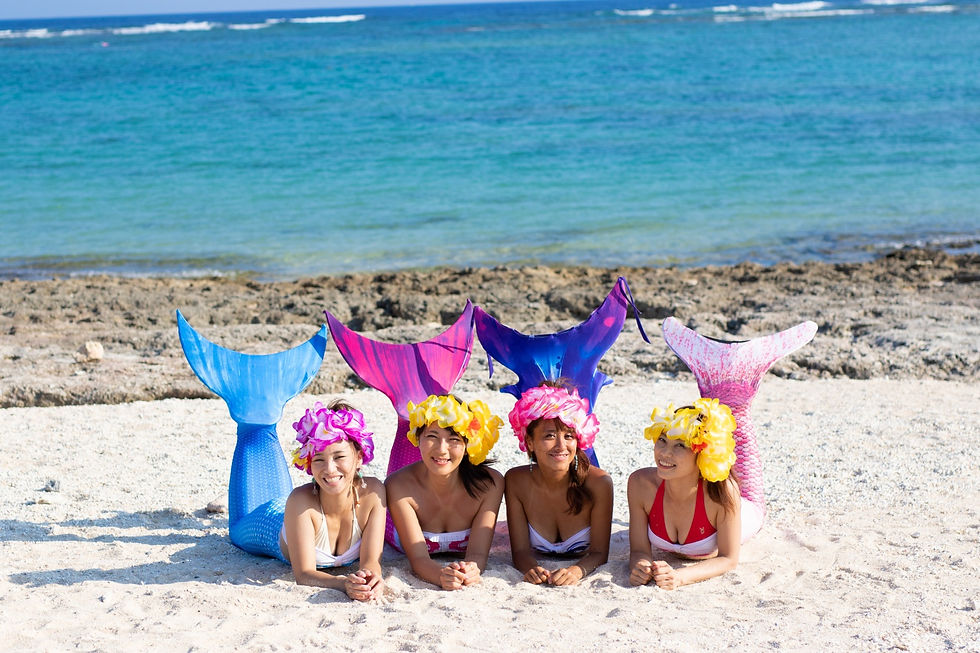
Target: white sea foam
(799,6)
(248,26)
(933,9)
(725,9)
(818,9)
(348,18)
(158,28)
(41,33)
(633,12)
(79,32)
(826,13)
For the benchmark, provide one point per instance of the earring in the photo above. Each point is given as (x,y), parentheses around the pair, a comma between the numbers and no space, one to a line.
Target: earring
(575,464)
(534,459)
(361,479)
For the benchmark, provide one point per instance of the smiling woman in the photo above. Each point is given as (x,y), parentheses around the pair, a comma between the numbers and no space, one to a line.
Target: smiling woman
(447,502)
(339,517)
(689,504)
(560,504)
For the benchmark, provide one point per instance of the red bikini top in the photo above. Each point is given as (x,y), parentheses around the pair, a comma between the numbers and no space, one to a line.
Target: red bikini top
(701,528)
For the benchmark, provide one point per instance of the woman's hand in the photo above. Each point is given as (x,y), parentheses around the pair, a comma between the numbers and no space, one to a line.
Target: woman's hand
(364,585)
(537,575)
(471,572)
(641,573)
(665,576)
(452,577)
(567,575)
(457,575)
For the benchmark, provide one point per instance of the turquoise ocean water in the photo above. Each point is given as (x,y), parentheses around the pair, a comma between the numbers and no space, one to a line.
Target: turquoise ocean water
(287,144)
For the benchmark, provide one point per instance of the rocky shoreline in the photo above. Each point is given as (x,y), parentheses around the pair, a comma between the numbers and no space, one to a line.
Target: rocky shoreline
(100,340)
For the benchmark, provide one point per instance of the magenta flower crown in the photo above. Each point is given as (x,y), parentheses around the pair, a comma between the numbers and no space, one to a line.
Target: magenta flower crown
(321,427)
(546,402)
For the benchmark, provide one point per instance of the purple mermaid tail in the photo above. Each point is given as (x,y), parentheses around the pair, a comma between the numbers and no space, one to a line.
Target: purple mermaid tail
(572,354)
(407,372)
(731,372)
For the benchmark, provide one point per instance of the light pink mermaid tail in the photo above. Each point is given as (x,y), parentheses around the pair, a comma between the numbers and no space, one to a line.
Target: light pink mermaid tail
(731,372)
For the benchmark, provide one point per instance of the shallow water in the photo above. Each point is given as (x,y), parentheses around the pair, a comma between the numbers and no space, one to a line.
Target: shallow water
(295,143)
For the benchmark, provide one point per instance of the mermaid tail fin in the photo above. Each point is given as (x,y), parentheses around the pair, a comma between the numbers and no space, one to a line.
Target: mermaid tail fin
(255,389)
(715,363)
(572,354)
(731,372)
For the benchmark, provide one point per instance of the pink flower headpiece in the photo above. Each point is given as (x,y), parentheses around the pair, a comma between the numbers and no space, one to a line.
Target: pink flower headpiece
(546,402)
(321,427)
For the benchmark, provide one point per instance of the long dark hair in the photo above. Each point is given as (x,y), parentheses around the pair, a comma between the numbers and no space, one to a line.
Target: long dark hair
(577,494)
(724,492)
(476,478)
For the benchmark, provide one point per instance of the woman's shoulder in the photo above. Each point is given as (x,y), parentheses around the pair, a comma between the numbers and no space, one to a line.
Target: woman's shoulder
(498,478)
(401,478)
(517,479)
(645,478)
(374,486)
(302,497)
(519,474)
(598,478)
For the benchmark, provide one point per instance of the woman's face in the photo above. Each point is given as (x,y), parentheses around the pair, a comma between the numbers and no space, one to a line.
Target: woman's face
(334,468)
(674,458)
(553,444)
(442,450)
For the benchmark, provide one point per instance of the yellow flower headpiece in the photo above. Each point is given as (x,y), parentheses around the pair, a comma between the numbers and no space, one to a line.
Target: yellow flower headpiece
(473,421)
(706,428)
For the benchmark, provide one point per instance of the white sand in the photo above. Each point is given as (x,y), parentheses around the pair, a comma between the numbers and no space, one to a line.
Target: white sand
(871,542)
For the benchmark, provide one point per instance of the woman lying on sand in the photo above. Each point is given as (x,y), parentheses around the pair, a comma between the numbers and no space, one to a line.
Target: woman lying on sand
(447,503)
(689,504)
(338,518)
(559,504)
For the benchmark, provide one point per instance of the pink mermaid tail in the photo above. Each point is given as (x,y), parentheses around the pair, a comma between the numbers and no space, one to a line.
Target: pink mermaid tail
(731,372)
(407,372)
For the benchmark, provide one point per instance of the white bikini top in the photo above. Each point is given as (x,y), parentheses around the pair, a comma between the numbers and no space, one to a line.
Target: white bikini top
(454,542)
(575,544)
(703,547)
(321,543)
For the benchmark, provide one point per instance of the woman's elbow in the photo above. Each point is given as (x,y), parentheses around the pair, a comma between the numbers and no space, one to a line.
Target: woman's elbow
(729,563)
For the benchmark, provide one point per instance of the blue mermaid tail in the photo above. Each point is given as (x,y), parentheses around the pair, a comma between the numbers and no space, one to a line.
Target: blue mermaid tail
(572,354)
(255,388)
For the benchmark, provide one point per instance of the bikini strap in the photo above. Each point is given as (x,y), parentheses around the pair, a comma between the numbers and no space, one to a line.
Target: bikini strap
(659,527)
